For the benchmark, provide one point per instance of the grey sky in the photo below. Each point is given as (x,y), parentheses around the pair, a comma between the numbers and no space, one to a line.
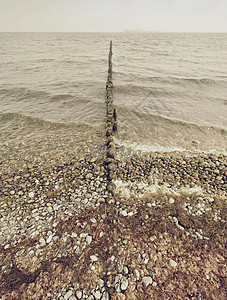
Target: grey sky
(113,15)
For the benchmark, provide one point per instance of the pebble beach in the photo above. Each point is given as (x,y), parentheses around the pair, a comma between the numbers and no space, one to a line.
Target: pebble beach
(164,237)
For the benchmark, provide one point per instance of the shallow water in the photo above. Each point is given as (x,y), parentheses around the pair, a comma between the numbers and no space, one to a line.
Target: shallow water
(169,89)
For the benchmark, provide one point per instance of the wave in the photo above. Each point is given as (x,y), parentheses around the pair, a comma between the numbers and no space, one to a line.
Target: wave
(21,93)
(61,97)
(135,89)
(157,131)
(136,146)
(44,60)
(124,111)
(35,122)
(199,81)
(170,79)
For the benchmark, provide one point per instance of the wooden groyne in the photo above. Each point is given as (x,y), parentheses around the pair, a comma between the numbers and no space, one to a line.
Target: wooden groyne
(111,128)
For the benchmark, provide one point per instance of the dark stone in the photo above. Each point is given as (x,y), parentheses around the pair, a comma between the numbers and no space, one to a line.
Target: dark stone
(111,152)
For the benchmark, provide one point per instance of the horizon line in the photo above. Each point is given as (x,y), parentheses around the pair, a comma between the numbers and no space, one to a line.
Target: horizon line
(123,31)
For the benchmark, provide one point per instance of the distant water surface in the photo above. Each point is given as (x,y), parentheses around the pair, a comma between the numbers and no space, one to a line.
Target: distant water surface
(170,89)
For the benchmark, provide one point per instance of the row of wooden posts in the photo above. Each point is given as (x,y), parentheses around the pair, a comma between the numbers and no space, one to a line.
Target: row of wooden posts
(111,129)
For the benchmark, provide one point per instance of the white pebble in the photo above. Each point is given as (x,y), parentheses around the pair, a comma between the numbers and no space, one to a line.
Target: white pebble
(49,239)
(171,200)
(112,258)
(89,239)
(31,194)
(105,296)
(146,280)
(124,283)
(137,274)
(42,242)
(79,294)
(97,295)
(68,294)
(94,258)
(172,263)
(38,252)
(124,213)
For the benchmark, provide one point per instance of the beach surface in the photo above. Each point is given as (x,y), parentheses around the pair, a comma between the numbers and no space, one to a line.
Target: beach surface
(164,239)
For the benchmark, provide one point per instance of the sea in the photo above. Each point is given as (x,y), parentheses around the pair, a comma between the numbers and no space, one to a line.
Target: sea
(170,91)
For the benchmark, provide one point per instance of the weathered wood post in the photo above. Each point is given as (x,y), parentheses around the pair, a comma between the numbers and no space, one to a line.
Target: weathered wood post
(111,127)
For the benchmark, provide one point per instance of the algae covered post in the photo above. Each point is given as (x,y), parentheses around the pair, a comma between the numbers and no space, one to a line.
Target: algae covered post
(111,128)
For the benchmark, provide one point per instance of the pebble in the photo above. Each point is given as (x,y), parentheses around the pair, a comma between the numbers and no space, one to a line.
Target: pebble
(89,239)
(79,294)
(147,280)
(124,283)
(146,260)
(124,213)
(49,239)
(112,258)
(68,294)
(94,258)
(137,274)
(171,200)
(19,253)
(172,263)
(97,295)
(42,242)
(118,287)
(31,194)
(38,252)
(105,296)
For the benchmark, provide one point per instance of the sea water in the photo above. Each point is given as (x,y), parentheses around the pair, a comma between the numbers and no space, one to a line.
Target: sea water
(169,90)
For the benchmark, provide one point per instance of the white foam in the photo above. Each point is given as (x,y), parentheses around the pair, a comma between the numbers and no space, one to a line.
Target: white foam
(126,189)
(121,189)
(147,148)
(158,148)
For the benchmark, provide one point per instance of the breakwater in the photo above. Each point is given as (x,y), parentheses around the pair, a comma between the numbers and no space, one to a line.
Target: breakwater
(111,128)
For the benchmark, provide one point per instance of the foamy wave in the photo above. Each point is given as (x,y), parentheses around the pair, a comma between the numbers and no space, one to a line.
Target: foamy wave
(163,149)
(129,189)
(147,148)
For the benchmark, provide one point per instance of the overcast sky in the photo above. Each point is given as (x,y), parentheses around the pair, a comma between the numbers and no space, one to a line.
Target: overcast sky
(113,15)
